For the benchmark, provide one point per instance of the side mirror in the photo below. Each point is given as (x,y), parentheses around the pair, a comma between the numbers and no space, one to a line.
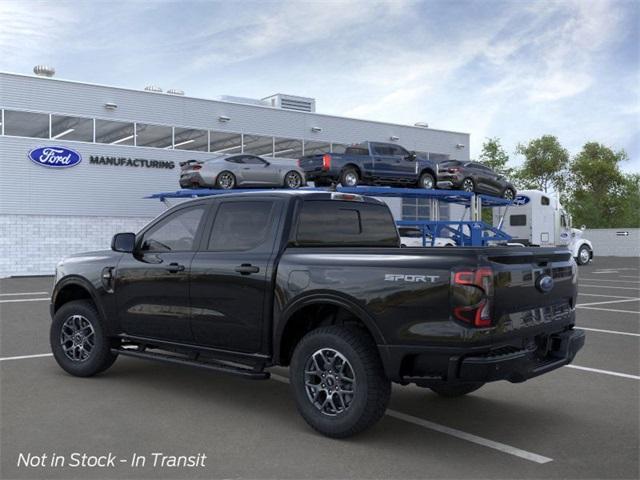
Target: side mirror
(123,242)
(412,156)
(583,228)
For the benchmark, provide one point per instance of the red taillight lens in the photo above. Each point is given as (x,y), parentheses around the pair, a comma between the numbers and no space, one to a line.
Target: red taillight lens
(326,161)
(196,167)
(478,313)
(454,170)
(299,162)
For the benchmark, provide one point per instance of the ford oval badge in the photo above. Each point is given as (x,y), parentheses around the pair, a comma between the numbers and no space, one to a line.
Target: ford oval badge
(55,157)
(521,200)
(544,283)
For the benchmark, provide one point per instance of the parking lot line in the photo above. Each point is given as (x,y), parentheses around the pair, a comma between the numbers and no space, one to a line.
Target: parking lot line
(613,287)
(24,357)
(16,300)
(609,310)
(608,301)
(469,437)
(22,293)
(606,372)
(607,280)
(601,295)
(615,332)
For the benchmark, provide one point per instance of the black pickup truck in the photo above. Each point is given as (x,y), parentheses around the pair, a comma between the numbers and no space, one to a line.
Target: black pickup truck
(371,163)
(316,281)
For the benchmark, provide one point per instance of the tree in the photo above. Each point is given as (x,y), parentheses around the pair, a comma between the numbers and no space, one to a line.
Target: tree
(495,157)
(545,164)
(601,196)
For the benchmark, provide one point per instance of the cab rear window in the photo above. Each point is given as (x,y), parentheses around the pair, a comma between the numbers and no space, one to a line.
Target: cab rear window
(336,223)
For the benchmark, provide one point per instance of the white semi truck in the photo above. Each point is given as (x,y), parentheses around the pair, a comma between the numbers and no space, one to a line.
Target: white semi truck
(538,219)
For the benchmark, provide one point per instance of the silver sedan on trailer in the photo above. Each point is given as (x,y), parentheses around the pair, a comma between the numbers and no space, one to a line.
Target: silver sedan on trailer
(241,170)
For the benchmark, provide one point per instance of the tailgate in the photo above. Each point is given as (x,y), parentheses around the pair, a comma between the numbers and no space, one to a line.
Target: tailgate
(533,288)
(311,163)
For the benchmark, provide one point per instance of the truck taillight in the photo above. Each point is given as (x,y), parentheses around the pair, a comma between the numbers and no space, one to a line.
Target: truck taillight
(326,161)
(478,291)
(453,170)
(299,162)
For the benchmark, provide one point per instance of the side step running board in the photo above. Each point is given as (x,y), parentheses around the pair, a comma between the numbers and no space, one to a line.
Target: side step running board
(218,367)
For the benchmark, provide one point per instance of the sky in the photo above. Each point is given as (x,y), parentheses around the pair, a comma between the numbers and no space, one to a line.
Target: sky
(509,69)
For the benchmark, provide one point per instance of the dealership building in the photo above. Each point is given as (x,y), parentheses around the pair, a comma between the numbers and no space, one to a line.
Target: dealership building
(129,144)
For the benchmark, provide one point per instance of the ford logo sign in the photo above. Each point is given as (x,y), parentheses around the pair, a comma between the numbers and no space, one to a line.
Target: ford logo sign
(521,200)
(544,283)
(55,157)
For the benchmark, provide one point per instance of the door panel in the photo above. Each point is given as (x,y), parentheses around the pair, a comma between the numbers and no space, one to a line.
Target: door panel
(152,284)
(152,299)
(231,276)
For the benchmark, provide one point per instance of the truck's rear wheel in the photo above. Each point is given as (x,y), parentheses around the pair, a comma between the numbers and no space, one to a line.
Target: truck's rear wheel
(338,381)
(456,390)
(349,177)
(78,340)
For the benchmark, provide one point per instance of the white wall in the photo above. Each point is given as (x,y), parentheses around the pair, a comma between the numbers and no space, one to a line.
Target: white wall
(608,242)
(33,244)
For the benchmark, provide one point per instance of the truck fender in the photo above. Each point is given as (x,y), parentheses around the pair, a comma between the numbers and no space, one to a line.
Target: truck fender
(576,246)
(331,298)
(78,281)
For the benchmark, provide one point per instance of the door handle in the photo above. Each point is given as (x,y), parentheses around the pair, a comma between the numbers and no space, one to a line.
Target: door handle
(175,268)
(247,269)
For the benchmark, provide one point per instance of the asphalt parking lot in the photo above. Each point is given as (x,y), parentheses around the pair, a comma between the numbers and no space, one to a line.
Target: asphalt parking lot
(574,422)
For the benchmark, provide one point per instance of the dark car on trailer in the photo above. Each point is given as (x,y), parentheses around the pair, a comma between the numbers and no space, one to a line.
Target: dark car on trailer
(316,281)
(474,177)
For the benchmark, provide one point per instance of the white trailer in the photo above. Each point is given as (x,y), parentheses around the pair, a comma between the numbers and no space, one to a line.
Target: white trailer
(537,219)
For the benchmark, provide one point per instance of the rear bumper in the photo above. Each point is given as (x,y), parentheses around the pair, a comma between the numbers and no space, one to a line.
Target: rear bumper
(192,180)
(436,365)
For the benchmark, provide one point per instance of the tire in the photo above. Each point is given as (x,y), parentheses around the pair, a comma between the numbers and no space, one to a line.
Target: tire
(468,185)
(349,177)
(584,255)
(91,359)
(458,390)
(293,180)
(508,194)
(427,181)
(226,180)
(352,350)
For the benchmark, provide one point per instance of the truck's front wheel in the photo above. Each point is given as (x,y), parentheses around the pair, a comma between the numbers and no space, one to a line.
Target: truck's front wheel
(338,381)
(78,340)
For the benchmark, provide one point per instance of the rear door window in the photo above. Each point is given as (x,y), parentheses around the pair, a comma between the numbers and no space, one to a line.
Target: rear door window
(339,223)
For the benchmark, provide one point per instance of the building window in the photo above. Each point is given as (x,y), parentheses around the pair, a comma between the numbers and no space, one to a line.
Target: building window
(438,157)
(26,124)
(338,147)
(258,145)
(114,133)
(225,142)
(314,148)
(71,128)
(415,209)
(190,139)
(157,136)
(287,148)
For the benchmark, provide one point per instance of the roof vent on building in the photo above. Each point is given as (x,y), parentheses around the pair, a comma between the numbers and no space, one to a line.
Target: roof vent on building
(44,71)
(421,124)
(153,88)
(291,102)
(175,91)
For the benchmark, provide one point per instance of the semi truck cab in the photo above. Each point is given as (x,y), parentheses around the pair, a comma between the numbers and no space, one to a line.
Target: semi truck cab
(538,219)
